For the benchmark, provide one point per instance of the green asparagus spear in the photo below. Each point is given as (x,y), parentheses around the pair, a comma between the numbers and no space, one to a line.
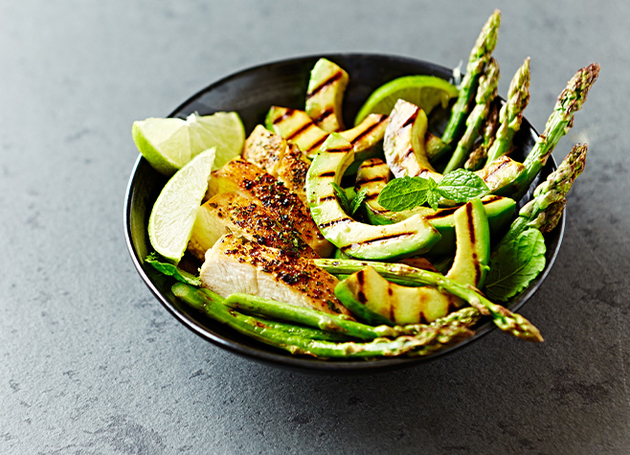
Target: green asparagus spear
(312,318)
(479,57)
(559,123)
(423,344)
(467,316)
(262,331)
(200,301)
(445,337)
(543,211)
(511,114)
(411,276)
(304,332)
(306,316)
(486,93)
(478,156)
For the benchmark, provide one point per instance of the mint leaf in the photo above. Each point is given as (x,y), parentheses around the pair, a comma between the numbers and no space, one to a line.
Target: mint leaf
(461,185)
(516,265)
(342,197)
(172,270)
(358,200)
(433,194)
(404,193)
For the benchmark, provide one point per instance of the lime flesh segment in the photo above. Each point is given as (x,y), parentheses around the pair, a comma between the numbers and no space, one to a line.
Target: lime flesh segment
(169,143)
(174,212)
(426,92)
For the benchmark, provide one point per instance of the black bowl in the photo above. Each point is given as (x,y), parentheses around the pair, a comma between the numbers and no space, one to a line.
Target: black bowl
(251,92)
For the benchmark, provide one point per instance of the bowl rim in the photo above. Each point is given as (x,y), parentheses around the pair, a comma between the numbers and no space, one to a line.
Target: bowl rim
(265,354)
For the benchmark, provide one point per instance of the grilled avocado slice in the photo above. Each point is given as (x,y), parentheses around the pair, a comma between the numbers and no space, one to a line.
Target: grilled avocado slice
(375,300)
(324,95)
(410,237)
(404,143)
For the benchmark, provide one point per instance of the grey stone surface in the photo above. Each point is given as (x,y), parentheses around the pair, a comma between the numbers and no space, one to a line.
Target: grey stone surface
(90,363)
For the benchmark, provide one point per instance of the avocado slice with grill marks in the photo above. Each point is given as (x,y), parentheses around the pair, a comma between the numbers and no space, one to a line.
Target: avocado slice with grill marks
(410,237)
(296,126)
(324,95)
(404,142)
(373,299)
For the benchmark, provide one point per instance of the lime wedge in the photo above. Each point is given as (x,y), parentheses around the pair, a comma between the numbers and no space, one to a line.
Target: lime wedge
(169,143)
(174,212)
(425,92)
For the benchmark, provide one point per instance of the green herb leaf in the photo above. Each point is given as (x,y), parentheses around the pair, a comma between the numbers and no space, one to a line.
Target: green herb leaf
(404,193)
(516,265)
(173,270)
(433,194)
(461,185)
(342,197)
(358,200)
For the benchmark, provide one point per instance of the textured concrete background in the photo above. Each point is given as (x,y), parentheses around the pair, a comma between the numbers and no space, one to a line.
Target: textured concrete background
(91,363)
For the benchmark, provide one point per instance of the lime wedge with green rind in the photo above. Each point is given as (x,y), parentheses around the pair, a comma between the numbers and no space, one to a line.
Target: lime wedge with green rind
(426,92)
(174,211)
(169,143)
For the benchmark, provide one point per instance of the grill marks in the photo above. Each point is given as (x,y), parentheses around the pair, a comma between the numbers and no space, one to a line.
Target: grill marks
(342,149)
(471,224)
(367,128)
(323,116)
(399,235)
(372,162)
(441,213)
(490,199)
(288,113)
(375,179)
(316,145)
(409,153)
(335,222)
(410,120)
(328,82)
(383,238)
(496,168)
(300,130)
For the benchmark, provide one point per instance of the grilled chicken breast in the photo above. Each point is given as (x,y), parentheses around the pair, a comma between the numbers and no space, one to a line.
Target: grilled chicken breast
(232,213)
(283,160)
(247,179)
(235,264)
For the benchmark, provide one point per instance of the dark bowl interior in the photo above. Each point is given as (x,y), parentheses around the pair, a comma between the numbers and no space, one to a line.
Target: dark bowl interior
(251,92)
